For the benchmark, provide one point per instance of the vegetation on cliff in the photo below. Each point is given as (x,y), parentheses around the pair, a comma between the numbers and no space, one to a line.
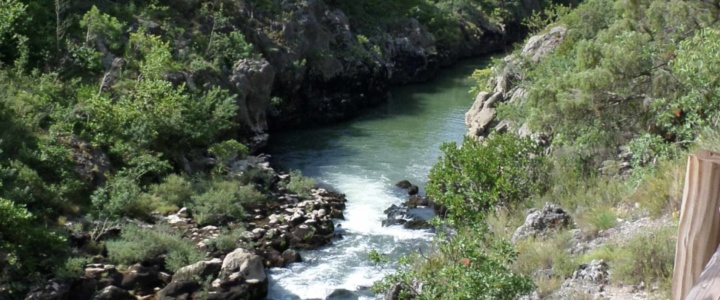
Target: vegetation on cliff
(628,92)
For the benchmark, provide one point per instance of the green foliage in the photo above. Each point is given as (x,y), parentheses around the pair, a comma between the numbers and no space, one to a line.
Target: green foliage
(73,268)
(137,244)
(543,254)
(226,152)
(696,67)
(377,258)
(469,265)
(540,20)
(224,201)
(263,180)
(20,235)
(475,177)
(173,193)
(102,26)
(647,257)
(10,12)
(227,241)
(300,184)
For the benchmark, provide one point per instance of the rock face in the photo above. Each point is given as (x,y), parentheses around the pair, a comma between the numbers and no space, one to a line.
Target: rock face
(480,119)
(326,72)
(541,222)
(539,46)
(253,80)
(481,114)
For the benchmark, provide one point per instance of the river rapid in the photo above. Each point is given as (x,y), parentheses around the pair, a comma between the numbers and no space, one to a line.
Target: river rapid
(364,158)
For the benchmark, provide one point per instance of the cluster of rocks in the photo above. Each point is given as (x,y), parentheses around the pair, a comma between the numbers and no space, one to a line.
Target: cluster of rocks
(278,227)
(408,214)
(542,222)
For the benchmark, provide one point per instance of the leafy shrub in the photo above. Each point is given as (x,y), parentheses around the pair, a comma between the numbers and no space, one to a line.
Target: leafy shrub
(73,268)
(300,184)
(137,244)
(226,152)
(20,236)
(223,202)
(227,241)
(260,178)
(173,193)
(469,265)
(182,255)
(479,175)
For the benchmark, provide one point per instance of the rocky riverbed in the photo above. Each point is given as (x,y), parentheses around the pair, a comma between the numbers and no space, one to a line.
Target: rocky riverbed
(273,232)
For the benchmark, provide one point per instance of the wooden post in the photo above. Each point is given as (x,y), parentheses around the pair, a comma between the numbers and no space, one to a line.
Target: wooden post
(699,229)
(708,286)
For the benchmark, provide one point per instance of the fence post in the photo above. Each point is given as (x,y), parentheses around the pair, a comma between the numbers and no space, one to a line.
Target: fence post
(699,229)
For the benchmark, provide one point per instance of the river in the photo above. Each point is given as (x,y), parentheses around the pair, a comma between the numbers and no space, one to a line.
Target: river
(364,158)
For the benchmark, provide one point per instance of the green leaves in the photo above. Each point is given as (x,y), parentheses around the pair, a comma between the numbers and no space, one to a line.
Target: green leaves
(102,26)
(479,175)
(696,66)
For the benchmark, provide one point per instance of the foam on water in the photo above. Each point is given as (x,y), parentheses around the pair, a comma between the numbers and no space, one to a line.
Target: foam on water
(345,265)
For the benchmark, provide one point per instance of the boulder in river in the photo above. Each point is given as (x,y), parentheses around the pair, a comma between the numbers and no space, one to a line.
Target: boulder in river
(403,184)
(413,190)
(342,294)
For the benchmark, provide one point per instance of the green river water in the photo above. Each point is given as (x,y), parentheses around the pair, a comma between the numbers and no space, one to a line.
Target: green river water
(364,158)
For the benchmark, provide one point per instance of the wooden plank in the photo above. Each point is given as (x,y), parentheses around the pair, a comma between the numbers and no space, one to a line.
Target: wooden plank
(708,286)
(699,229)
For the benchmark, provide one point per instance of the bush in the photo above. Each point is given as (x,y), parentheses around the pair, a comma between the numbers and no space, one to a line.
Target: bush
(260,178)
(20,238)
(227,241)
(137,244)
(645,257)
(468,265)
(501,170)
(172,194)
(300,184)
(182,255)
(223,202)
(543,254)
(73,268)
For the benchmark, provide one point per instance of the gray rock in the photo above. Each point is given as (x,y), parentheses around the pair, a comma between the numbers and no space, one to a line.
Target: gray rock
(540,222)
(199,269)
(481,114)
(342,294)
(140,278)
(413,190)
(248,264)
(403,184)
(539,46)
(50,290)
(253,79)
(587,281)
(596,272)
(113,293)
(291,256)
